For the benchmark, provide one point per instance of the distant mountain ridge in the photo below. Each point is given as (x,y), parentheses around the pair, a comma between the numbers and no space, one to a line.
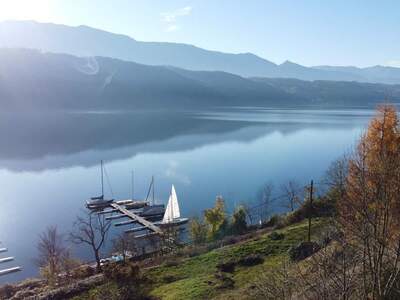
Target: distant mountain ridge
(33,80)
(87,41)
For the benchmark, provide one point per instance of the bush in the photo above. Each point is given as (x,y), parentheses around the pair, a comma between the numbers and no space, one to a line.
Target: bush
(239,224)
(329,234)
(128,278)
(322,207)
(227,266)
(172,262)
(273,221)
(225,281)
(303,250)
(169,279)
(6,291)
(230,240)
(83,272)
(275,236)
(251,260)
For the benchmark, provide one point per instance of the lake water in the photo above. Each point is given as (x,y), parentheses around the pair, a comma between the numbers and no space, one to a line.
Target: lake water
(49,163)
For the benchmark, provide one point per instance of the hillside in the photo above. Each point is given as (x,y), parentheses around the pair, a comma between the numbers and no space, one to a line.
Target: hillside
(197,277)
(87,41)
(32,80)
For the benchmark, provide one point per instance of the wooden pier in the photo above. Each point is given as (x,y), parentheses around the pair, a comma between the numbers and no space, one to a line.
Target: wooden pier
(136,218)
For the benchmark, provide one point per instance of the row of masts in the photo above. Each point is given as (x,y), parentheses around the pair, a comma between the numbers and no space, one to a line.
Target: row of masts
(147,215)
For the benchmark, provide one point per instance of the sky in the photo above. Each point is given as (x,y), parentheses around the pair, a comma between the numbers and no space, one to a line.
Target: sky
(308,32)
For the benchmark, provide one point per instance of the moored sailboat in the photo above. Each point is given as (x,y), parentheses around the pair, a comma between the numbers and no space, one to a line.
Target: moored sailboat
(99,202)
(172,215)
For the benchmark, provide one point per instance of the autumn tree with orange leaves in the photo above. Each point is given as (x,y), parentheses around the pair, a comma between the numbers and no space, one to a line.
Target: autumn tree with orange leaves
(369,212)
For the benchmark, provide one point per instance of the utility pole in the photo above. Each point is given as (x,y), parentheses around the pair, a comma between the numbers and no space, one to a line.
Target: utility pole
(310,208)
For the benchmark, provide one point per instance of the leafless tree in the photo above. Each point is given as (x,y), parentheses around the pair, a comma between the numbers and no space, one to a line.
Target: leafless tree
(336,175)
(264,201)
(51,250)
(292,192)
(92,230)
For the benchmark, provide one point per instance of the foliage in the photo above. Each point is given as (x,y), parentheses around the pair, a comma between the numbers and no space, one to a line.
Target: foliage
(276,236)
(322,207)
(128,279)
(251,260)
(197,231)
(370,209)
(238,223)
(275,220)
(303,250)
(216,219)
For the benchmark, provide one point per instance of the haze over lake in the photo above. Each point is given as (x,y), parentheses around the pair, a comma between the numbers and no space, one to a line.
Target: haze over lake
(49,163)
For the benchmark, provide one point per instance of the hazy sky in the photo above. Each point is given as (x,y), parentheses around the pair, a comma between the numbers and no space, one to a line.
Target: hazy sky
(309,32)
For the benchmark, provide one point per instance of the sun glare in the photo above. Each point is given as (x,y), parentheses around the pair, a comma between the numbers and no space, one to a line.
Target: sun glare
(25,10)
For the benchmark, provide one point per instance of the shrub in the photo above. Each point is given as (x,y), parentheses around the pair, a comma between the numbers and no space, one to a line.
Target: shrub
(303,250)
(169,279)
(273,221)
(227,266)
(225,281)
(197,231)
(275,236)
(230,240)
(322,207)
(239,224)
(251,260)
(171,262)
(6,291)
(83,272)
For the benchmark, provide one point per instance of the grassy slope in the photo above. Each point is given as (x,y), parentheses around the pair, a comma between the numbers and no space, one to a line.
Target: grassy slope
(194,278)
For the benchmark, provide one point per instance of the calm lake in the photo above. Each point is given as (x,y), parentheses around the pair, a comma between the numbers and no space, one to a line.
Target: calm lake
(49,163)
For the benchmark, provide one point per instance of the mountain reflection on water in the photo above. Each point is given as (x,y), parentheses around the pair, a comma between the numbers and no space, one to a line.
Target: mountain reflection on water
(49,161)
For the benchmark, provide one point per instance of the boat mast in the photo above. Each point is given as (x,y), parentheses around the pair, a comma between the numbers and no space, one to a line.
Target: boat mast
(102,180)
(152,180)
(133,184)
(172,205)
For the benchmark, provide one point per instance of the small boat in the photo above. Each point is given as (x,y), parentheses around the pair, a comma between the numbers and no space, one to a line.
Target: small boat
(99,202)
(172,215)
(136,204)
(153,212)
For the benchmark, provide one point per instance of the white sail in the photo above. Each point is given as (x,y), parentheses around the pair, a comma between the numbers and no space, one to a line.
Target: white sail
(172,211)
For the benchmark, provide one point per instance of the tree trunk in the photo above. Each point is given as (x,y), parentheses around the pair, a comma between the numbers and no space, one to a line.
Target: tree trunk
(97,256)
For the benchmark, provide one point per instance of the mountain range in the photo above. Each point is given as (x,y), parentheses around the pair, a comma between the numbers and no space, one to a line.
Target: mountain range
(33,80)
(87,41)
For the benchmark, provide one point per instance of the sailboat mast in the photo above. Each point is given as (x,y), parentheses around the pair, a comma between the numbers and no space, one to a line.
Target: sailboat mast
(133,184)
(172,205)
(102,180)
(152,179)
